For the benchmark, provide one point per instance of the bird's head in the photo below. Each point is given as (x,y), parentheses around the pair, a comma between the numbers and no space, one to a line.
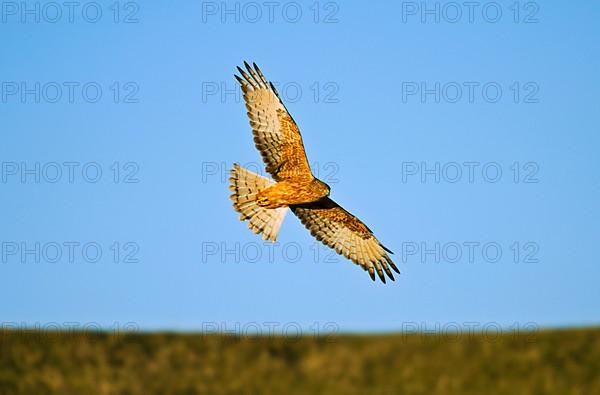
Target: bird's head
(324,188)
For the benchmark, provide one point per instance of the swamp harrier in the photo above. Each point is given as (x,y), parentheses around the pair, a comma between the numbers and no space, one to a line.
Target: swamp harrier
(264,202)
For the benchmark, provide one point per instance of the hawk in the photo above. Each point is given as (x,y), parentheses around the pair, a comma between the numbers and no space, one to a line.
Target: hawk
(264,202)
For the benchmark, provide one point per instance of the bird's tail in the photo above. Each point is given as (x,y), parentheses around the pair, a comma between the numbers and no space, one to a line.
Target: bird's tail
(245,186)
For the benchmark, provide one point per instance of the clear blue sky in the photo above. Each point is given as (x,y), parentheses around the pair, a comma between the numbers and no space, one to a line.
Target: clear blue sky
(365,129)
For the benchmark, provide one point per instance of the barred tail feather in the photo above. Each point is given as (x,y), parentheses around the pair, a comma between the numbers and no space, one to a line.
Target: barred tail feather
(245,186)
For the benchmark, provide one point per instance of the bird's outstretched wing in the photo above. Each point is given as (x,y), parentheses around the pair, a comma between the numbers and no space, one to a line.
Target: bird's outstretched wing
(347,235)
(276,135)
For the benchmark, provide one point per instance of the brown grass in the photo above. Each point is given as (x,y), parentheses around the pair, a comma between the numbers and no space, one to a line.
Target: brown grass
(551,362)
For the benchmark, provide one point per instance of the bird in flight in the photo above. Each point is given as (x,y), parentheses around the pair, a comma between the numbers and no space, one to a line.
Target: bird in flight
(264,202)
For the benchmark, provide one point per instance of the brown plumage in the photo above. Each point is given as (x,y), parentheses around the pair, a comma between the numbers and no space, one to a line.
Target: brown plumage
(264,203)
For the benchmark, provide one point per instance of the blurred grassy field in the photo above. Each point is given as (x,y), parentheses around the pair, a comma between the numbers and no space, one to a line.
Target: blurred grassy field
(549,362)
